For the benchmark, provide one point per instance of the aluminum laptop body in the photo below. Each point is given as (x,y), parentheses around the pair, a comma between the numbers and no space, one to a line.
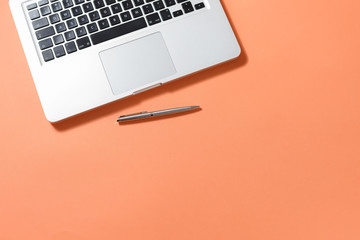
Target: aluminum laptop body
(80,61)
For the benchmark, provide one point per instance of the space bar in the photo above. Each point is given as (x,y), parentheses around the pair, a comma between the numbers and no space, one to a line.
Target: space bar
(118,31)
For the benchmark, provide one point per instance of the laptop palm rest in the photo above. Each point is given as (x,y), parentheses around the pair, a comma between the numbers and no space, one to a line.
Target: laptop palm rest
(137,63)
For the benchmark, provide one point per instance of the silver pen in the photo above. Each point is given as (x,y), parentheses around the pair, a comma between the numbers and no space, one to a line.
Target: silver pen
(142,115)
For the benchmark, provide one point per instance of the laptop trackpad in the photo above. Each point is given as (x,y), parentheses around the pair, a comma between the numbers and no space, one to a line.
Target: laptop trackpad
(137,63)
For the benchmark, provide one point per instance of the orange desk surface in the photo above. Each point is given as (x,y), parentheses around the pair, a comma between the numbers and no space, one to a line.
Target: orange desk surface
(274,154)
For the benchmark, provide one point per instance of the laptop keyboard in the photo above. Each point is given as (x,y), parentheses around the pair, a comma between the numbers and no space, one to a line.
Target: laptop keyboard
(63,27)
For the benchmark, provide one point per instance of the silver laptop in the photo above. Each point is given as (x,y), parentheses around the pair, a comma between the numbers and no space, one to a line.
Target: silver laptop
(86,53)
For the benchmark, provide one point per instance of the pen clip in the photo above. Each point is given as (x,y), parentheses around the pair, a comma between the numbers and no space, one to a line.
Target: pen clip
(133,114)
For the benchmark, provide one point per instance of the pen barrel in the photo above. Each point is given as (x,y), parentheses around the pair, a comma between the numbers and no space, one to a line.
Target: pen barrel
(174,110)
(143,115)
(135,117)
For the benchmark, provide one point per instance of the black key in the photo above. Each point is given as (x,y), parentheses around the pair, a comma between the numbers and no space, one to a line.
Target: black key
(76,11)
(116,8)
(60,27)
(114,20)
(127,4)
(138,2)
(83,20)
(44,44)
(40,23)
(56,7)
(65,15)
(45,10)
(105,12)
(169,2)
(136,12)
(153,18)
(58,39)
(69,35)
(109,2)
(70,47)
(67,3)
(159,5)
(118,31)
(180,1)
(178,13)
(31,6)
(88,7)
(34,14)
(83,43)
(165,14)
(71,23)
(148,8)
(81,31)
(99,4)
(44,33)
(92,28)
(48,55)
(103,23)
(125,16)
(77,2)
(94,16)
(54,18)
(59,51)
(199,6)
(187,7)
(43,2)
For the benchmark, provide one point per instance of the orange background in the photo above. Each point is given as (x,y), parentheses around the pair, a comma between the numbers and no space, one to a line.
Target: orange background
(274,154)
